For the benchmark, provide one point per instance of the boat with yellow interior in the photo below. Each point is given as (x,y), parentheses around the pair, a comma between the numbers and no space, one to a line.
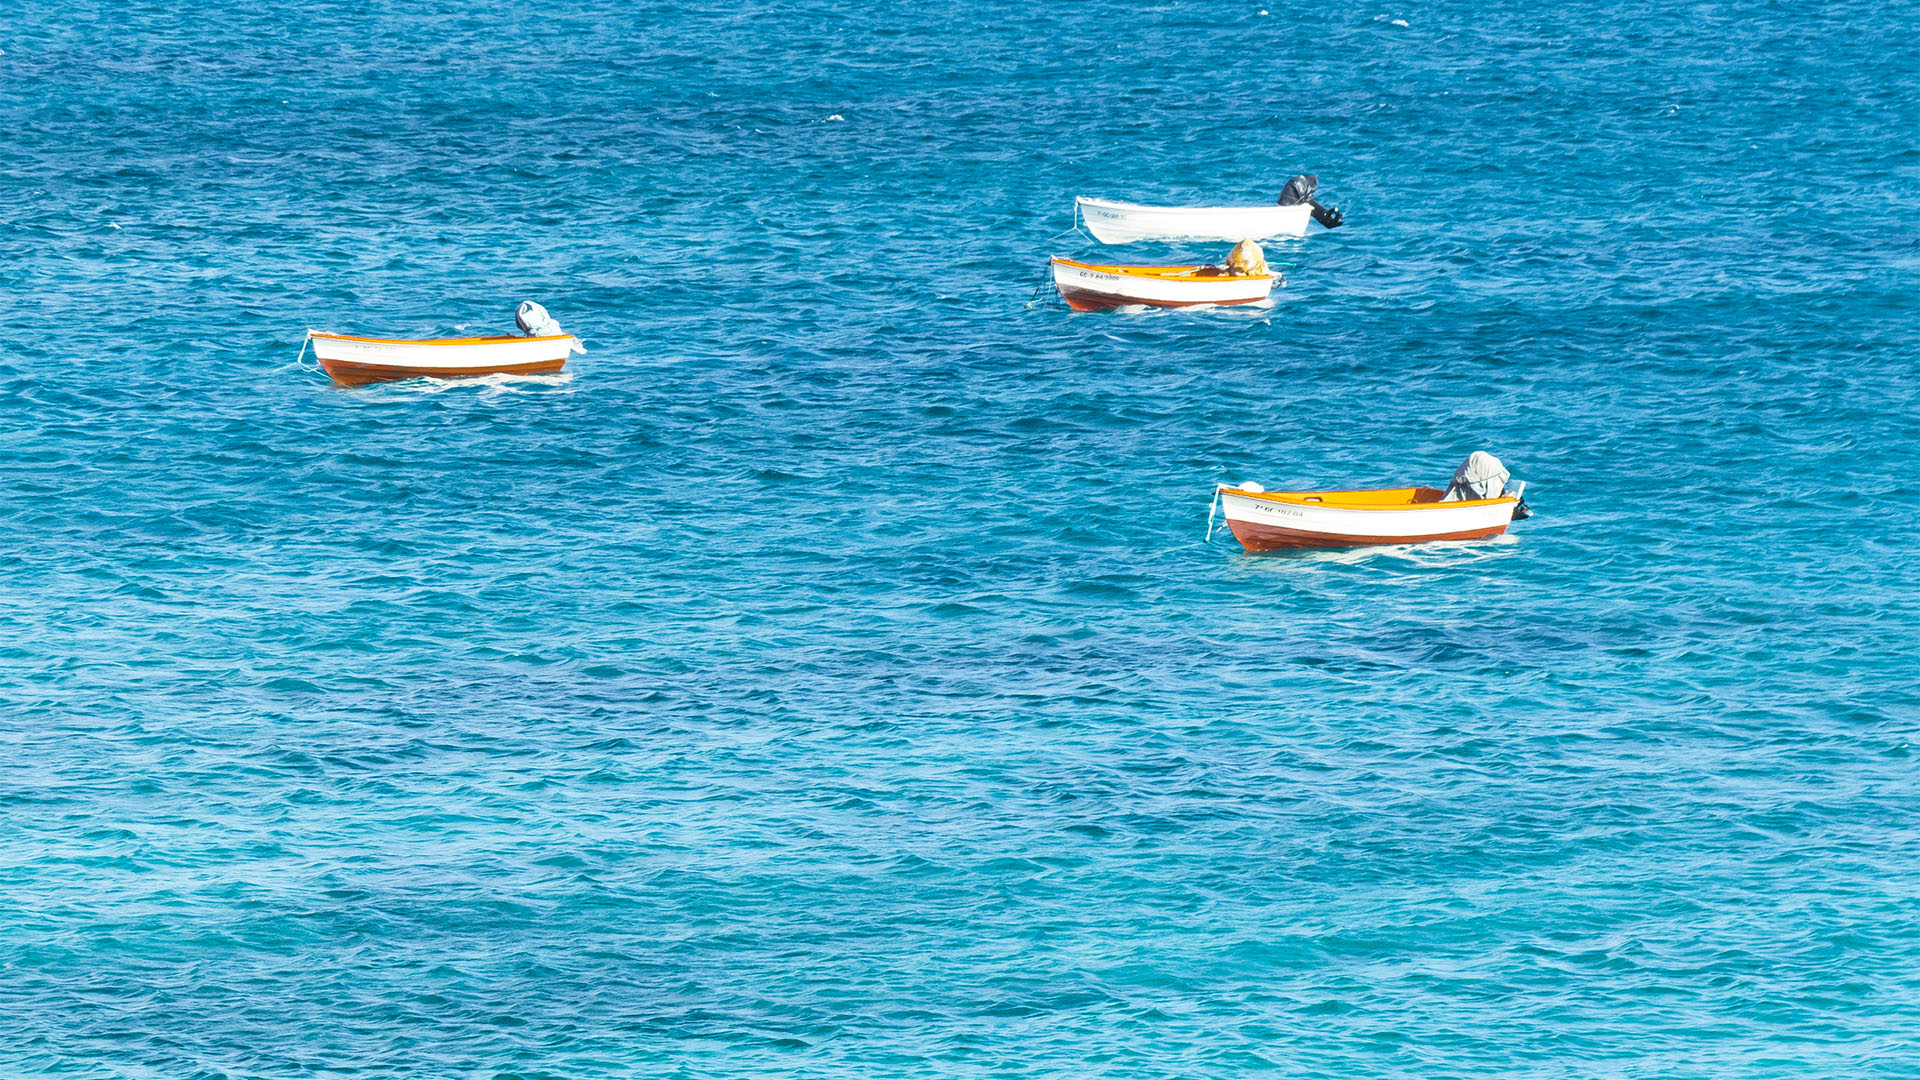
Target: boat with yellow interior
(1478,504)
(1093,286)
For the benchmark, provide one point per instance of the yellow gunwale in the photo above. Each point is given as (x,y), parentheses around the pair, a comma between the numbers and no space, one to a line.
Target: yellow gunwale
(1172,273)
(1369,499)
(435,341)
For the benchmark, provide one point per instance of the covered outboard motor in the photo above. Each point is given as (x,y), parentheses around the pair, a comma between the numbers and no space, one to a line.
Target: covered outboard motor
(1481,476)
(1300,190)
(1247,258)
(534,321)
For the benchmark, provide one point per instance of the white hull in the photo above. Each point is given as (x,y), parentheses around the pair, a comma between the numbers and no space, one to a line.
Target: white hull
(1283,521)
(470,353)
(1125,223)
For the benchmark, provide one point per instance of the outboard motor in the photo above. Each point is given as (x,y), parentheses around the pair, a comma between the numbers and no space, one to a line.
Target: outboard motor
(1300,190)
(534,321)
(1481,476)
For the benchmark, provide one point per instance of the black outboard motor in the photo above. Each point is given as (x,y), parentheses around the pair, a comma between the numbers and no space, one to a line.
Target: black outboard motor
(1300,190)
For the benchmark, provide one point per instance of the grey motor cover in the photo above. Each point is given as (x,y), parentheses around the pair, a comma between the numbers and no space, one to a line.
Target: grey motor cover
(1481,476)
(535,322)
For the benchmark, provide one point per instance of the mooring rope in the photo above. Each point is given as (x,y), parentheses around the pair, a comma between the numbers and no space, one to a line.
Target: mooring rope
(1044,284)
(1074,228)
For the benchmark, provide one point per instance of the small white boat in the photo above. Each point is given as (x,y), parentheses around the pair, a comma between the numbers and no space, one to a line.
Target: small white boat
(1276,520)
(1124,223)
(356,361)
(541,348)
(1091,286)
(1478,504)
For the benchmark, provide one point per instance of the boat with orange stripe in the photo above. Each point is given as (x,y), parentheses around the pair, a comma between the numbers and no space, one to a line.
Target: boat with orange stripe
(542,349)
(1093,286)
(1477,505)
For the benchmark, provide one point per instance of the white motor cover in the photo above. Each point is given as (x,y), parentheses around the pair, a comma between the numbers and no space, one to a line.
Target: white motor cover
(534,321)
(1481,476)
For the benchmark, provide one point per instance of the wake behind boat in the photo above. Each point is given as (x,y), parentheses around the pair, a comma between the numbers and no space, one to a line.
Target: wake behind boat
(356,361)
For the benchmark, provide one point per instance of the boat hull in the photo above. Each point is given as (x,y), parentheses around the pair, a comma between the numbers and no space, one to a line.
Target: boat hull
(351,374)
(355,361)
(1088,287)
(1280,521)
(1113,222)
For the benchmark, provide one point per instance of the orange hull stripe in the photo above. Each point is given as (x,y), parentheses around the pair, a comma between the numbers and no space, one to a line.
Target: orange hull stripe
(1174,273)
(1365,499)
(438,341)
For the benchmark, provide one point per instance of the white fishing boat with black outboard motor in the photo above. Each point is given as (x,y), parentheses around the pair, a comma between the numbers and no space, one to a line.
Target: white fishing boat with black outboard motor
(1114,222)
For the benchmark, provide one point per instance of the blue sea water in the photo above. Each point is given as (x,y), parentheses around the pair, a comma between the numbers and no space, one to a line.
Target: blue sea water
(827,676)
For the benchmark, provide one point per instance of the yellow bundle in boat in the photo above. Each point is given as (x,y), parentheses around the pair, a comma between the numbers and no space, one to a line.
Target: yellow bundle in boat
(1247,259)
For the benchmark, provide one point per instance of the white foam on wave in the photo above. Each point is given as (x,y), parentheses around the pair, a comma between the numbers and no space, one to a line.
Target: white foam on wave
(1256,309)
(1437,555)
(487,387)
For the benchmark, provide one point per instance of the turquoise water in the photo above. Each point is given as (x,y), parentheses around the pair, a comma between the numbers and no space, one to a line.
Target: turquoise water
(826,677)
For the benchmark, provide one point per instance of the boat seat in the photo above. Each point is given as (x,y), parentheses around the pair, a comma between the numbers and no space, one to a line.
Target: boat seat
(1427,495)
